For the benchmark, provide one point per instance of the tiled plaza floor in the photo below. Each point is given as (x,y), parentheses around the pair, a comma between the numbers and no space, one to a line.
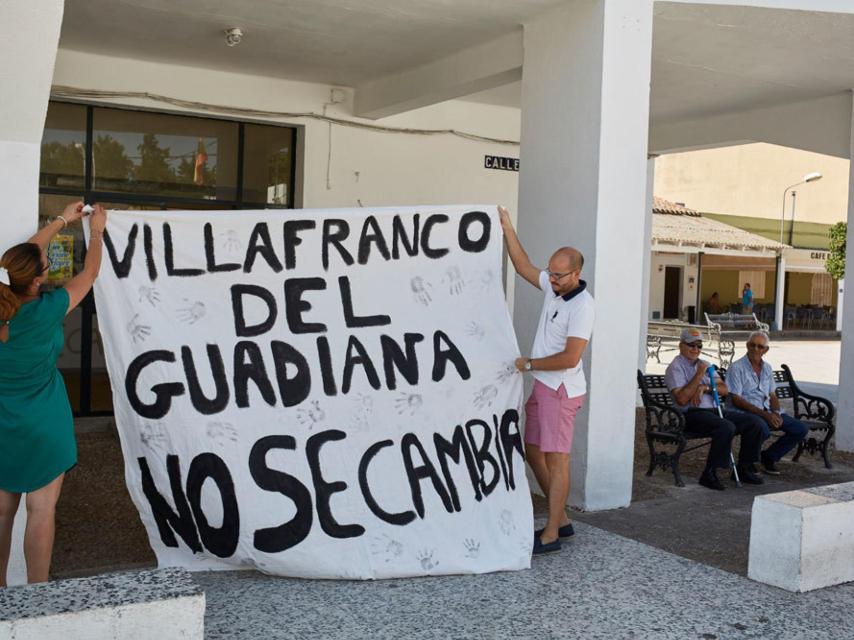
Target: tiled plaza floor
(599,586)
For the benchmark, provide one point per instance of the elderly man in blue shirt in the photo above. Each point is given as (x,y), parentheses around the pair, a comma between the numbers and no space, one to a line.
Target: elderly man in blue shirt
(751,384)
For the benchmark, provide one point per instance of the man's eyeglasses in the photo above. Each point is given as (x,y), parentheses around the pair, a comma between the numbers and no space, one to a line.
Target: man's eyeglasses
(557,276)
(760,347)
(693,345)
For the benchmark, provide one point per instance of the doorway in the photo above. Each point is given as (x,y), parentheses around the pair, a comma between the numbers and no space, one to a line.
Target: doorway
(672,280)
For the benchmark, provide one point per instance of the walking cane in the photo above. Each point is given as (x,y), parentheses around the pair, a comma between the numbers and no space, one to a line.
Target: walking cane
(717,400)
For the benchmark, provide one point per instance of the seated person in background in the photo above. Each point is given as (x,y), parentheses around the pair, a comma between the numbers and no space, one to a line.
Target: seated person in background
(751,385)
(713,304)
(688,381)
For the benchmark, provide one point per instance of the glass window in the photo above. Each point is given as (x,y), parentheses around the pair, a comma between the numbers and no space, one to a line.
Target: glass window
(267,164)
(157,154)
(63,151)
(144,161)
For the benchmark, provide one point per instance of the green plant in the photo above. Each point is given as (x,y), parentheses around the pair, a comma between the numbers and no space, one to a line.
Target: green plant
(835,264)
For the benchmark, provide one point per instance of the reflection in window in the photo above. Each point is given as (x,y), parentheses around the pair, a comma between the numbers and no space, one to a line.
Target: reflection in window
(165,155)
(267,164)
(63,150)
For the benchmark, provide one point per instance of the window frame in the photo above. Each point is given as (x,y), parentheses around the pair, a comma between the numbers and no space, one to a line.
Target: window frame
(164,202)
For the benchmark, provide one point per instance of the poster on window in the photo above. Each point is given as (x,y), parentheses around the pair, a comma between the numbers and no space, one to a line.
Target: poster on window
(60,254)
(318,393)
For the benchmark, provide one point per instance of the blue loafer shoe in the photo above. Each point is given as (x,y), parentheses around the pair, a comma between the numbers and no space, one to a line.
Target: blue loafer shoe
(566,531)
(540,548)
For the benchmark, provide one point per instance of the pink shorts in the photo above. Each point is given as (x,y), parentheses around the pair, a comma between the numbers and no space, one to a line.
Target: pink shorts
(550,418)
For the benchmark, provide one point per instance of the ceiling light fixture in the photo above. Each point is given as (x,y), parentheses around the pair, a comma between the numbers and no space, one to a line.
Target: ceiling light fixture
(233,36)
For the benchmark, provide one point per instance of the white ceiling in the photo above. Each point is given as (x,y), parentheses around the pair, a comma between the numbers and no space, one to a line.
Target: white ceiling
(707,59)
(712,59)
(343,42)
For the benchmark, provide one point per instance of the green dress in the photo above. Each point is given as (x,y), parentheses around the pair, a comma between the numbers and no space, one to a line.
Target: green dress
(36,428)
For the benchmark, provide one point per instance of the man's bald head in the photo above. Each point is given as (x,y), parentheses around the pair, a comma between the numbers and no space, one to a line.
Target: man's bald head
(569,256)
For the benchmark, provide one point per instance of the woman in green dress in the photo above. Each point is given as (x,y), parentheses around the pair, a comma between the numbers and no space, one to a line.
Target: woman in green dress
(37,442)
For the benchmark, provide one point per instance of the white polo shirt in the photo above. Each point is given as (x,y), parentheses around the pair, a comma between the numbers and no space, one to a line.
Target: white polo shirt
(569,316)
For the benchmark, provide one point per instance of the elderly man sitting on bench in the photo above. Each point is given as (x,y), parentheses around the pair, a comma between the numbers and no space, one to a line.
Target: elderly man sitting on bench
(688,381)
(751,385)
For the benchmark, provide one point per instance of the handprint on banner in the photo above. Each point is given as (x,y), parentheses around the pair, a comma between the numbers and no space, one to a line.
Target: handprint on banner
(231,242)
(475,330)
(192,313)
(150,294)
(507,373)
(221,433)
(138,332)
(505,522)
(362,411)
(484,396)
(312,415)
(153,436)
(425,557)
(483,281)
(420,290)
(472,548)
(387,548)
(408,403)
(454,279)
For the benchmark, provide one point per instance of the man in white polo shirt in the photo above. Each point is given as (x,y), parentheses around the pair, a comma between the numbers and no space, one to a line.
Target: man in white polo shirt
(565,325)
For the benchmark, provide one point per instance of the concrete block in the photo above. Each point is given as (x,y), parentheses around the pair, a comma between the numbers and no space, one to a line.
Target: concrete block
(161,604)
(803,540)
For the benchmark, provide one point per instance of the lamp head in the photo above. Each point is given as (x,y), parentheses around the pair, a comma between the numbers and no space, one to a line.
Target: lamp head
(812,177)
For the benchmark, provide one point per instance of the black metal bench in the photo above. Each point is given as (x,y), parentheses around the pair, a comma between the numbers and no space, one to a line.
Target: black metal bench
(665,424)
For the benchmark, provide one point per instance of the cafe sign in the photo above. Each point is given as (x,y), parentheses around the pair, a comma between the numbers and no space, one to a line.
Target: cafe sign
(805,260)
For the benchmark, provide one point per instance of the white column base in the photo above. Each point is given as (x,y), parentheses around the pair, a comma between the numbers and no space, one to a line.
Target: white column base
(803,540)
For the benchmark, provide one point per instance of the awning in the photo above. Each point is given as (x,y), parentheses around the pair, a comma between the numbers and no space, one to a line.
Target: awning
(677,226)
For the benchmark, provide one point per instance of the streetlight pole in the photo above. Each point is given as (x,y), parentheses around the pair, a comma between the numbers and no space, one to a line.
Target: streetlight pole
(780,294)
(792,225)
(810,177)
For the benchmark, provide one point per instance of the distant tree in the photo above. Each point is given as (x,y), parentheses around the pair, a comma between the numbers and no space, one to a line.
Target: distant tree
(835,264)
(59,159)
(153,166)
(111,160)
(279,170)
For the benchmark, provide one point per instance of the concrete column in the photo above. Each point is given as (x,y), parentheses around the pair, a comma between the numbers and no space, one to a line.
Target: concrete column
(585,113)
(647,258)
(840,299)
(28,49)
(780,292)
(845,410)
(29,44)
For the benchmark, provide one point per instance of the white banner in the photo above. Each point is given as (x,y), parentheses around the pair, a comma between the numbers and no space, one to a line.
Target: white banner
(324,393)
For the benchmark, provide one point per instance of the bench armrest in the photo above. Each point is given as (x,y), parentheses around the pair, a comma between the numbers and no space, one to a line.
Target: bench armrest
(807,405)
(813,407)
(661,418)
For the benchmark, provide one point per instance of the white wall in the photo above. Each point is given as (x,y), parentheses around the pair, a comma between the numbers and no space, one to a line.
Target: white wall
(749,180)
(27,50)
(393,168)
